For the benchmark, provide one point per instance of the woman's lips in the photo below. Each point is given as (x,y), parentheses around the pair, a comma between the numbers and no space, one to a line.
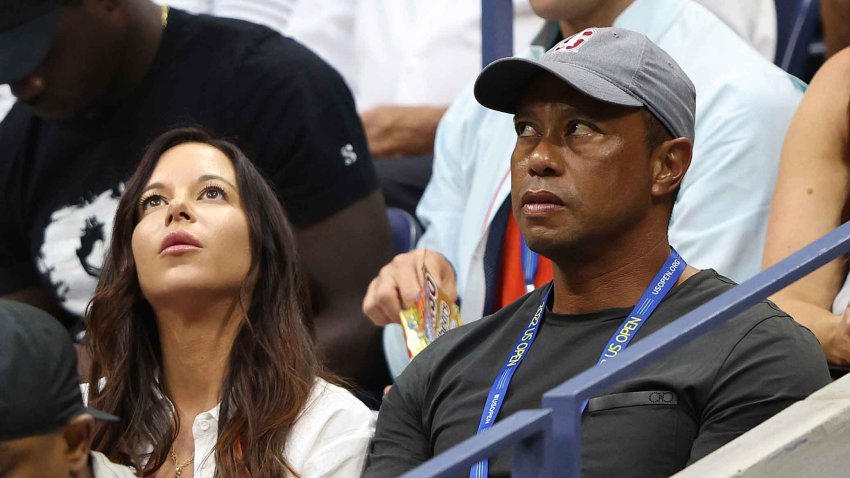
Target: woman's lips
(178,249)
(177,243)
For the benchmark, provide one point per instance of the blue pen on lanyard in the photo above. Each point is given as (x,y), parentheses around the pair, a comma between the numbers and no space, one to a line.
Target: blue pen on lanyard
(663,282)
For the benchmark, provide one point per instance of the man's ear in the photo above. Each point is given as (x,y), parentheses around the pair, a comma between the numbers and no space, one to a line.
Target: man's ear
(78,435)
(671,160)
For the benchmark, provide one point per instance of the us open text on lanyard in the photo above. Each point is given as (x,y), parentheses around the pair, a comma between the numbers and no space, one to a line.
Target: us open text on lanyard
(664,281)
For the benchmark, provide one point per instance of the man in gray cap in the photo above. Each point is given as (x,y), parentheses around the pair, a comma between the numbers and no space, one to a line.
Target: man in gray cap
(605,129)
(45,431)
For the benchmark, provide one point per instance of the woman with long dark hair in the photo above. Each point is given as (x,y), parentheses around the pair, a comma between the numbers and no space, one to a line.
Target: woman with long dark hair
(198,329)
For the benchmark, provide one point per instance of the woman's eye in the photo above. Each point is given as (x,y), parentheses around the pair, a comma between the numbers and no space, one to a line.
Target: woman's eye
(525,129)
(152,201)
(580,129)
(213,192)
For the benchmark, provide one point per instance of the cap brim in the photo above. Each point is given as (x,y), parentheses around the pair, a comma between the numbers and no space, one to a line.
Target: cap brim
(102,416)
(501,84)
(23,48)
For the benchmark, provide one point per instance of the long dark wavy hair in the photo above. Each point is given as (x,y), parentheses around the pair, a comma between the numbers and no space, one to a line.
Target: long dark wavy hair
(273,362)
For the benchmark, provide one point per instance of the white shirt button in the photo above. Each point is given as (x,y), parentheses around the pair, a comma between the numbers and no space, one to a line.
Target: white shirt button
(205,426)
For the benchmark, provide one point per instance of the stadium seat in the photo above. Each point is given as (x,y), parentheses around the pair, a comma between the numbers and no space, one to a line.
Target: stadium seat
(404,228)
(405,232)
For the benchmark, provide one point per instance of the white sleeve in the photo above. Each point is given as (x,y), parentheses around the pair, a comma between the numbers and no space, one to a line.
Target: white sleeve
(443,203)
(328,27)
(331,438)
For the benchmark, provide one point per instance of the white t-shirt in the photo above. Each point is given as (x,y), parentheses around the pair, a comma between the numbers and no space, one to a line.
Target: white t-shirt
(402,52)
(329,439)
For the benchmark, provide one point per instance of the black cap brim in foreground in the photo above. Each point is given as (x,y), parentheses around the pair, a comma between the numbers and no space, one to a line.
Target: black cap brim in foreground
(502,83)
(24,47)
(41,389)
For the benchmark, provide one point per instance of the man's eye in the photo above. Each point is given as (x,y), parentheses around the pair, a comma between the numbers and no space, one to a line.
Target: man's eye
(580,129)
(525,129)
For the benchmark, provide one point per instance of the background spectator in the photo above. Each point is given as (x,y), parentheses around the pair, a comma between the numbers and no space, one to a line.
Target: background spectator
(118,75)
(812,198)
(44,429)
(405,61)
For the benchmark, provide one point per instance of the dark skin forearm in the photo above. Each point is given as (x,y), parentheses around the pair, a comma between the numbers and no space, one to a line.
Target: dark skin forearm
(341,255)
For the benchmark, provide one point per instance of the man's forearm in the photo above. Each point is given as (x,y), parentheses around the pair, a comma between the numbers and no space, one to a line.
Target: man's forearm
(351,345)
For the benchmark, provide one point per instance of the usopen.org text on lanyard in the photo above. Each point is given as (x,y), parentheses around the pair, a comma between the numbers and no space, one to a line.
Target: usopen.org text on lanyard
(660,286)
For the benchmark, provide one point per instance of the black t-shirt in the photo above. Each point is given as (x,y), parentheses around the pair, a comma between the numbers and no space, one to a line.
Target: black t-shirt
(288,110)
(710,391)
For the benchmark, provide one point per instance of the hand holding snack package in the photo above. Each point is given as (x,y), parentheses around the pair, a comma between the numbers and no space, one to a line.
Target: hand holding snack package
(430,317)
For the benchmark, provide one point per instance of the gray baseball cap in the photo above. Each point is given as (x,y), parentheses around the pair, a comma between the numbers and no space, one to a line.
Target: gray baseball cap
(613,65)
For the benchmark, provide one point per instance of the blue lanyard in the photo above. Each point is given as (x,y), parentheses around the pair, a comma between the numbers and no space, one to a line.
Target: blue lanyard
(530,261)
(660,286)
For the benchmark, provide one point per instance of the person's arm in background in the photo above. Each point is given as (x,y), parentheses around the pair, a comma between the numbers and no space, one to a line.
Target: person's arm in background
(401,131)
(835,18)
(295,117)
(440,211)
(341,254)
(810,199)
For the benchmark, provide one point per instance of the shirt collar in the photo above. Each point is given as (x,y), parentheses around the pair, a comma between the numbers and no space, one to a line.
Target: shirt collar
(650,17)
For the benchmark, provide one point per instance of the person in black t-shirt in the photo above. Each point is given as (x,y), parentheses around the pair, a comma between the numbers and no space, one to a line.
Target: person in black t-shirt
(97,80)
(605,125)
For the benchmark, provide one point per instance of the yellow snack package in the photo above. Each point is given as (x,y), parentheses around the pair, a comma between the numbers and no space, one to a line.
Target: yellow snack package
(430,317)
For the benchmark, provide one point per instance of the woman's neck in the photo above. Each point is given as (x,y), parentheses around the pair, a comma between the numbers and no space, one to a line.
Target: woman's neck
(195,343)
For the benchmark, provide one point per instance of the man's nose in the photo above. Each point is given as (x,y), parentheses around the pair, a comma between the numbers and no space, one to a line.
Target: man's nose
(28,88)
(544,160)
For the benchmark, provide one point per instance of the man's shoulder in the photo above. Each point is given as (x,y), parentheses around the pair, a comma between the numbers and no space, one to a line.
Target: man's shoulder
(16,124)
(764,319)
(15,129)
(245,46)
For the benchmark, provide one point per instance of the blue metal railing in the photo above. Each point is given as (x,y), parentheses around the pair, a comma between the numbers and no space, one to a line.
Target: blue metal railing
(547,441)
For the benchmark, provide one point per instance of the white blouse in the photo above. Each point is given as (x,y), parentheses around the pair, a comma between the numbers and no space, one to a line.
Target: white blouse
(329,439)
